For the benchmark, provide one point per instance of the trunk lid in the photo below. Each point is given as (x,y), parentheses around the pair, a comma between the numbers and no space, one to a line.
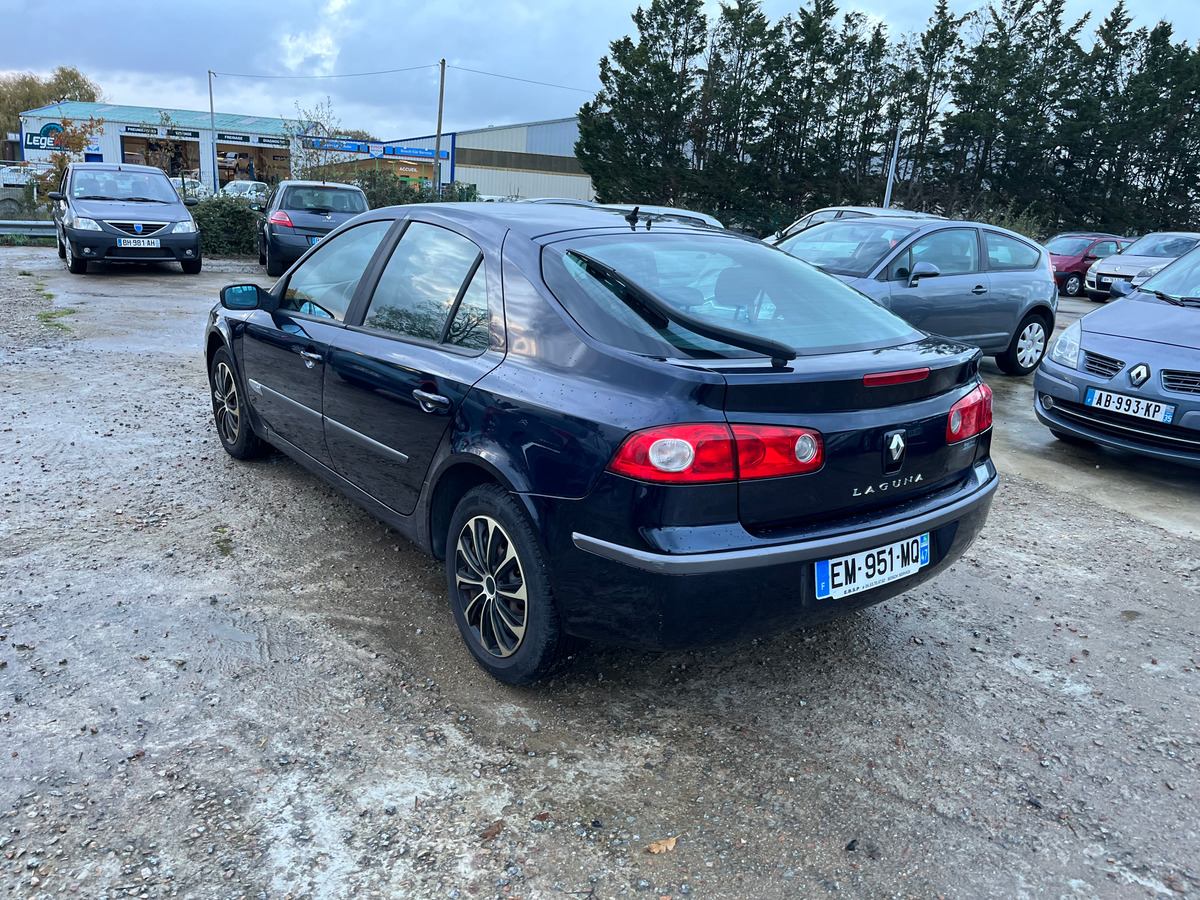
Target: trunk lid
(858,424)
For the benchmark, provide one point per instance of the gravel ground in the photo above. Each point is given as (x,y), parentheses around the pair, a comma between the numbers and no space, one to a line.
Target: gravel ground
(223,680)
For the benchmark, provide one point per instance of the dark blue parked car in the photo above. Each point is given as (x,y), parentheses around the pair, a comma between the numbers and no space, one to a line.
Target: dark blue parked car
(298,214)
(658,436)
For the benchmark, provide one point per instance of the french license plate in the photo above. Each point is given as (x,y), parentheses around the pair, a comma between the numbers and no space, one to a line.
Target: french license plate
(1106,279)
(859,572)
(1138,407)
(137,242)
(314,240)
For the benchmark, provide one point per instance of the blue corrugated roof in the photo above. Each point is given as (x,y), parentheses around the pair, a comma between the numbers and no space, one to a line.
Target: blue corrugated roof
(146,115)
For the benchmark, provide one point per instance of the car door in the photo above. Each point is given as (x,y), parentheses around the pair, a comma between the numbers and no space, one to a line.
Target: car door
(954,302)
(430,328)
(1019,277)
(284,351)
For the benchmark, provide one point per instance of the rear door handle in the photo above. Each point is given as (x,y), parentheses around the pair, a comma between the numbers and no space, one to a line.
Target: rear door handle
(310,358)
(431,403)
(979,289)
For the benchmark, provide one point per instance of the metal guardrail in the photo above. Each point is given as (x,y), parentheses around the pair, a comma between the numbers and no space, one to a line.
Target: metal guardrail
(29,228)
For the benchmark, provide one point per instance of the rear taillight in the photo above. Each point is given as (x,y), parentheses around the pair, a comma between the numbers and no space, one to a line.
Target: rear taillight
(712,452)
(279,217)
(901,376)
(970,416)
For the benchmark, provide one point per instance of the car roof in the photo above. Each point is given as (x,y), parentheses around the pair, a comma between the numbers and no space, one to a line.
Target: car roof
(539,220)
(929,224)
(325,184)
(116,167)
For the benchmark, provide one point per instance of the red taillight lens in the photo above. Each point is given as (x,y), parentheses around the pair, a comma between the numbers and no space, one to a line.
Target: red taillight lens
(711,452)
(970,416)
(279,217)
(768,451)
(678,454)
(902,376)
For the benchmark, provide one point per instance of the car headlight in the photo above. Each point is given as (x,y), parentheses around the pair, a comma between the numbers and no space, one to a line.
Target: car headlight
(187,227)
(72,220)
(1091,272)
(1146,273)
(1065,351)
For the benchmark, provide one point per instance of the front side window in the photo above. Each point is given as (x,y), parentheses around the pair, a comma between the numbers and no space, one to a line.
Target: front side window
(730,282)
(1008,254)
(1104,248)
(955,251)
(325,282)
(425,286)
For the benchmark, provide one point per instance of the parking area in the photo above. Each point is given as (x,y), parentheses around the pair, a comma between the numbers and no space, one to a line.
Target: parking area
(224,680)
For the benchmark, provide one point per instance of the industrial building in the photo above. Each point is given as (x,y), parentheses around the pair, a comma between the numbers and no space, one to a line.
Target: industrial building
(536,159)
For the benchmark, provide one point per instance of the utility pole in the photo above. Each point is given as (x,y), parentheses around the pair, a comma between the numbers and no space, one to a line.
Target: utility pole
(437,145)
(212,123)
(887,194)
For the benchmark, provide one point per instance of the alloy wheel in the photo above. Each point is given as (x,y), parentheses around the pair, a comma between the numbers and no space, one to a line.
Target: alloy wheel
(1030,344)
(226,404)
(491,586)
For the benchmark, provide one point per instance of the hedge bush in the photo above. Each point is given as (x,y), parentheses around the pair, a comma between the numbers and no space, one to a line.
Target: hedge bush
(228,226)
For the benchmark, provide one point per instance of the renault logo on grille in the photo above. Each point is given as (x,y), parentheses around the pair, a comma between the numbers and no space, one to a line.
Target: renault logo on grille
(893,451)
(137,229)
(1139,374)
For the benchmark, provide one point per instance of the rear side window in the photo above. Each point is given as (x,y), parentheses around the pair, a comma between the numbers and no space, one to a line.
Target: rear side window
(735,283)
(433,289)
(320,198)
(1008,254)
(324,284)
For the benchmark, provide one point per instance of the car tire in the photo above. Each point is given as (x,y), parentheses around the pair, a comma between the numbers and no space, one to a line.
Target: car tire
(76,266)
(1027,348)
(262,254)
(492,553)
(192,266)
(1073,286)
(62,251)
(230,414)
(1071,439)
(274,266)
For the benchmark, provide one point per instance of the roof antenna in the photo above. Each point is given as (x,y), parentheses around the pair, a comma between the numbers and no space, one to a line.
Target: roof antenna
(632,218)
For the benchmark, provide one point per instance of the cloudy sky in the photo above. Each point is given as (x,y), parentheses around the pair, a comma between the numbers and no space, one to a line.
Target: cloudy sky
(158,54)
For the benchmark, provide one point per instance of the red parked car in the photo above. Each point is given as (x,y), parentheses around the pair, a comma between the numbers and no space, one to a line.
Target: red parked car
(1072,252)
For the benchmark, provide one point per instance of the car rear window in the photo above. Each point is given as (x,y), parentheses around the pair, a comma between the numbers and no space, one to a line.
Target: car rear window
(323,199)
(736,283)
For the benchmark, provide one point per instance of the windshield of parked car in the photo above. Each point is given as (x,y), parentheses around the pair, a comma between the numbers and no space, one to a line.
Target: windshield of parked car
(1068,246)
(1166,246)
(133,186)
(730,282)
(323,199)
(1180,279)
(847,248)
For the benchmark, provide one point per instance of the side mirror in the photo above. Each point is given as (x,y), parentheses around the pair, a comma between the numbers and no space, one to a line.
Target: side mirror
(246,296)
(57,195)
(923,270)
(1121,288)
(190,201)
(1090,257)
(257,207)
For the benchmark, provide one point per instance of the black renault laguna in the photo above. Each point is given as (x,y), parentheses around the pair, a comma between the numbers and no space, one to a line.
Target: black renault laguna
(611,428)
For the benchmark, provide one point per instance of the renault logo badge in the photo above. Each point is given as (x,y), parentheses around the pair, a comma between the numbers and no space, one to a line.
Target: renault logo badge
(1139,375)
(893,452)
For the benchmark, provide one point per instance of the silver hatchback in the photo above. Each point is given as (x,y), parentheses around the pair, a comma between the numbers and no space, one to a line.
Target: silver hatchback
(966,280)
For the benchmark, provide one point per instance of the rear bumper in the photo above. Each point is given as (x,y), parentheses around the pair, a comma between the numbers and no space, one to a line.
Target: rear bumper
(287,247)
(102,245)
(639,598)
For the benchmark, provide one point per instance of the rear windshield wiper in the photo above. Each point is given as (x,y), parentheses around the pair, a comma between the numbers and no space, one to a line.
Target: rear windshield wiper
(658,313)
(316,209)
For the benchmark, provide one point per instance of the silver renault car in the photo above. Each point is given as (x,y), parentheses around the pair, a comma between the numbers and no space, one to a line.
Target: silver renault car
(966,280)
(1137,262)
